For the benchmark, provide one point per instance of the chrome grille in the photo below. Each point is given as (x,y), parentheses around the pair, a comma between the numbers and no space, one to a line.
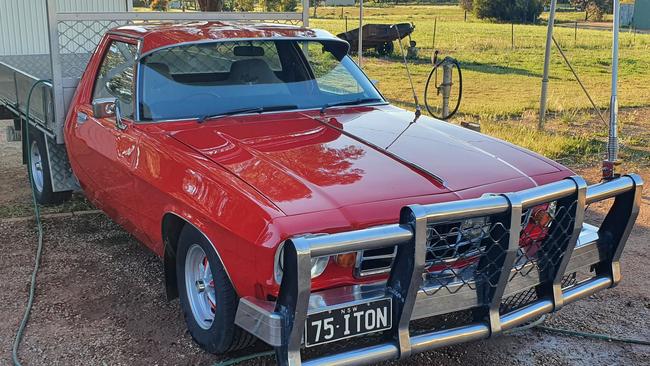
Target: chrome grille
(450,242)
(375,261)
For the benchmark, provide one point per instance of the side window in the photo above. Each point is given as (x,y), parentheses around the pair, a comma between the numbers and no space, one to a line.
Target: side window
(331,76)
(115,77)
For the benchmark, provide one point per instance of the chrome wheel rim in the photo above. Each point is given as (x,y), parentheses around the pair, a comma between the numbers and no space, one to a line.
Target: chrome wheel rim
(200,286)
(36,166)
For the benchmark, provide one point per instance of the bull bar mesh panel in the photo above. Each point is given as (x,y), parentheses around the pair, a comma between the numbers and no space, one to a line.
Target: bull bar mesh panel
(457,254)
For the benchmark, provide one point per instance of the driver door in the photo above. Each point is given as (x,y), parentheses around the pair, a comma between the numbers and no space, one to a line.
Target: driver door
(107,150)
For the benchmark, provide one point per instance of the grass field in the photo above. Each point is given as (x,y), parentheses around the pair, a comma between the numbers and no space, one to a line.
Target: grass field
(501,84)
(500,80)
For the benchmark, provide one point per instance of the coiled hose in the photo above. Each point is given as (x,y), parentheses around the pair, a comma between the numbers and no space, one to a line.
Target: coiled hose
(436,65)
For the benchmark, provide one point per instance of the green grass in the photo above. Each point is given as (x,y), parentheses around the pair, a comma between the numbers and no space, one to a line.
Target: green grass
(500,80)
(561,146)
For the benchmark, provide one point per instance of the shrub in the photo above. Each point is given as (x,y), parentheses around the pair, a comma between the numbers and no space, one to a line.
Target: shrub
(594,9)
(466,5)
(521,11)
(159,5)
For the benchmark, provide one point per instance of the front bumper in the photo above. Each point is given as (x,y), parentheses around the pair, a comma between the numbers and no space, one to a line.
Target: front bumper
(501,273)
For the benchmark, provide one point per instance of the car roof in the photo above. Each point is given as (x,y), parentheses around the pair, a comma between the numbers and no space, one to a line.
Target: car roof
(165,34)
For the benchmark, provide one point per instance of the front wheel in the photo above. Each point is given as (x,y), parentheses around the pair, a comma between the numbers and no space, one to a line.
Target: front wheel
(207,297)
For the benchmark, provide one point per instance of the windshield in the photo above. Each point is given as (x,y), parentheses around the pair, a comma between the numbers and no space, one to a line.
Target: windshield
(211,79)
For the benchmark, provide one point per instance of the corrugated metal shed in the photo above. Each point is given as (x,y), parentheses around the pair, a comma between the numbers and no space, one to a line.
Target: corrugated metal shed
(23,23)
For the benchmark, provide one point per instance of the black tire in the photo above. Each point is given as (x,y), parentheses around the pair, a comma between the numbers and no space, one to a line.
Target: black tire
(223,335)
(43,192)
(385,48)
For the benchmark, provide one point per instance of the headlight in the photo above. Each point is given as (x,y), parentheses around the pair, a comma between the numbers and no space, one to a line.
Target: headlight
(318,265)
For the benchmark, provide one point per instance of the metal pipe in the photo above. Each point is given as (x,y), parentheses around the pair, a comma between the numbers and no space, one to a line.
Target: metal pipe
(547,64)
(609,189)
(447,69)
(526,314)
(305,13)
(360,42)
(587,288)
(351,241)
(612,145)
(450,337)
(466,209)
(547,193)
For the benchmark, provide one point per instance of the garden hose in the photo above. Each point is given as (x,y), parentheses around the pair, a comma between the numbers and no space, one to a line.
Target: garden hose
(39,248)
(538,324)
(238,360)
(436,65)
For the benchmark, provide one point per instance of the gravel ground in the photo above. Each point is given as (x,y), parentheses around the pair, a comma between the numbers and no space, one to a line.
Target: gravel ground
(100,300)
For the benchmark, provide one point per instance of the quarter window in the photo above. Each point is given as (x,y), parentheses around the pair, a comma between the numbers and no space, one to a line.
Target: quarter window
(115,77)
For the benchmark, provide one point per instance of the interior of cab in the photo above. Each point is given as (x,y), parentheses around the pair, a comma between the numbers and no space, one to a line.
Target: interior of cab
(222,76)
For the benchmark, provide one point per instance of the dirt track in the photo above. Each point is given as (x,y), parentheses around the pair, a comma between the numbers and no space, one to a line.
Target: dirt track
(100,300)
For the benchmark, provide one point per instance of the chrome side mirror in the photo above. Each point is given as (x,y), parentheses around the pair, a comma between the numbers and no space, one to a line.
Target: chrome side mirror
(109,107)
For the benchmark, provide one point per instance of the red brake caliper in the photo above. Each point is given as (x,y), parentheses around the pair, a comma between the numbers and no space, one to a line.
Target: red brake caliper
(213,306)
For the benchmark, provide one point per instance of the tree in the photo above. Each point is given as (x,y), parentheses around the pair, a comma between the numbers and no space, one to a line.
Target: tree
(594,9)
(289,5)
(159,5)
(466,5)
(314,4)
(211,5)
(244,5)
(521,11)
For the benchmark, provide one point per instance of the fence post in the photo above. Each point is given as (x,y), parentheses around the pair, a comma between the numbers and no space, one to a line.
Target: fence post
(512,35)
(547,64)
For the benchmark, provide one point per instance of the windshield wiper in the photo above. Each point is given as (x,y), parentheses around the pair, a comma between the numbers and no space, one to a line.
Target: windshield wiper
(272,108)
(349,102)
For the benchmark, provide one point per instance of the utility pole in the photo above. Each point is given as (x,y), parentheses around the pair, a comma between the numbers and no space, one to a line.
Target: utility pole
(612,143)
(547,64)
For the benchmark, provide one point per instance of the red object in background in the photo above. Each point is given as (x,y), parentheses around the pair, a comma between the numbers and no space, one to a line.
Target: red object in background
(536,229)
(250,182)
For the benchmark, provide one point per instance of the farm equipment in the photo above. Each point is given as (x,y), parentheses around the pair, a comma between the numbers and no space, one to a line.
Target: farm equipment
(379,37)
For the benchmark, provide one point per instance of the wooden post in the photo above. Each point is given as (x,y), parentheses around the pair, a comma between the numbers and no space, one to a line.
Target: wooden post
(575,33)
(435,26)
(512,35)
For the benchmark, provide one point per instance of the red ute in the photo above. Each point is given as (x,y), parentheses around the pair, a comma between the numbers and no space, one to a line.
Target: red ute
(213,143)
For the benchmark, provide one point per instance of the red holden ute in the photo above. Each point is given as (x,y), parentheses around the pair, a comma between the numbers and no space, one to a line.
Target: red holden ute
(292,203)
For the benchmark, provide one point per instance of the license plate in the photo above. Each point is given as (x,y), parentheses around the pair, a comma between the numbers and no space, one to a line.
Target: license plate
(350,321)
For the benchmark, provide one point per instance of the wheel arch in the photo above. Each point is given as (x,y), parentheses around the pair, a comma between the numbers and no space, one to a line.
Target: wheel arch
(172,225)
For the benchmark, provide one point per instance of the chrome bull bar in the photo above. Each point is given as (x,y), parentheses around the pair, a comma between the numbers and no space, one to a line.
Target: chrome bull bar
(570,245)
